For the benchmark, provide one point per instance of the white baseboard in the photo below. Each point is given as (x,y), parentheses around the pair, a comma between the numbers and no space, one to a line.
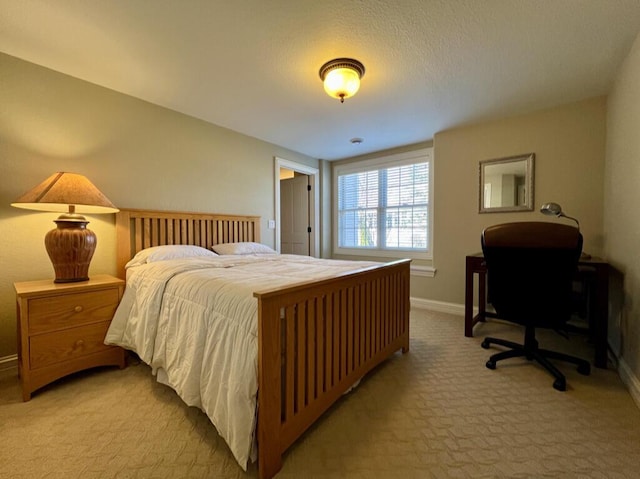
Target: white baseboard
(630,379)
(9,362)
(439,306)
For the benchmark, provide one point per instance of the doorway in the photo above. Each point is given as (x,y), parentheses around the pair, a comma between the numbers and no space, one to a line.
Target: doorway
(295,224)
(297,208)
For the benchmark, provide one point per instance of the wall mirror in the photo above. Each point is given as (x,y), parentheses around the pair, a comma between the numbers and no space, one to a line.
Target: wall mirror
(506,184)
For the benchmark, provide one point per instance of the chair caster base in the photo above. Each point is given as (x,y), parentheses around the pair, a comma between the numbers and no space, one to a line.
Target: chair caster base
(491,364)
(560,384)
(485,344)
(584,369)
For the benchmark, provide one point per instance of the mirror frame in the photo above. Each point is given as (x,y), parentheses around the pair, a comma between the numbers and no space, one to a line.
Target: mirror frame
(528,158)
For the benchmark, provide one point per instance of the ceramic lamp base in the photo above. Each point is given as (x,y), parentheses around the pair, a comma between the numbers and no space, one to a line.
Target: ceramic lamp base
(70,247)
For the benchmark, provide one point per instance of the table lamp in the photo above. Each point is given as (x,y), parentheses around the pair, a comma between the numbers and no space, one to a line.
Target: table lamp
(71,245)
(554,209)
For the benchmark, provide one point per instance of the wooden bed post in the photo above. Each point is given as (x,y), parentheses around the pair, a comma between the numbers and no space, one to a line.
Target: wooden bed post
(269,389)
(123,242)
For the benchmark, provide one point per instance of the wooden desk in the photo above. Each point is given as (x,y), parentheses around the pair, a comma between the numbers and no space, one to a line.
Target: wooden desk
(594,270)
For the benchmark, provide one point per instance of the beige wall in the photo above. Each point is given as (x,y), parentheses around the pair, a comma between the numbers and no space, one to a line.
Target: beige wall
(622,218)
(325,209)
(569,144)
(140,155)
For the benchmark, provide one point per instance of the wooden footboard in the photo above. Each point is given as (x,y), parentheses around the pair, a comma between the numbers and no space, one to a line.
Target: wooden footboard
(334,332)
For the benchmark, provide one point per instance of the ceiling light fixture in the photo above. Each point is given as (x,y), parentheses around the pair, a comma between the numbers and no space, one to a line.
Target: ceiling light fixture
(341,77)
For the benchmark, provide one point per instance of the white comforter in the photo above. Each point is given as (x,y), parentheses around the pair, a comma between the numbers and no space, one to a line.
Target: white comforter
(194,321)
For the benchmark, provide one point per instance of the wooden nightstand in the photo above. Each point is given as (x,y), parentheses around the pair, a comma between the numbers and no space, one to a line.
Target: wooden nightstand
(61,328)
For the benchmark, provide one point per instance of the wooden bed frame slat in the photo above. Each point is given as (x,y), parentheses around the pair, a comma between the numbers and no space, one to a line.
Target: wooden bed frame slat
(333,331)
(139,229)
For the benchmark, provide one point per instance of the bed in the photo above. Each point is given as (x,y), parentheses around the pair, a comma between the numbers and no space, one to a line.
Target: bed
(315,338)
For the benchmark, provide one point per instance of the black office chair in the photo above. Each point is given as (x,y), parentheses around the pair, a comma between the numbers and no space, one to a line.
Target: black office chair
(530,268)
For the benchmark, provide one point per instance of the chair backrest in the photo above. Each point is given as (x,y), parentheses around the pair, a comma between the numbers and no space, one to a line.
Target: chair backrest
(531,267)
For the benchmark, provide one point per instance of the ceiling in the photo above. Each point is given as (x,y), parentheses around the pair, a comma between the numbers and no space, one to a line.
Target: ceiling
(252,65)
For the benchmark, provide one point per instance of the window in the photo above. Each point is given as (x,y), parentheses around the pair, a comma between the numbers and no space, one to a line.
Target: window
(383,206)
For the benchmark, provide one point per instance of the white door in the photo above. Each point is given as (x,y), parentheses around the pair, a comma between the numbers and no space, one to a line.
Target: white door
(294,216)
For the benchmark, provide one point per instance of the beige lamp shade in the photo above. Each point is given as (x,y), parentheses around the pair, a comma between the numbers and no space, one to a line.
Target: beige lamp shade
(63,192)
(71,245)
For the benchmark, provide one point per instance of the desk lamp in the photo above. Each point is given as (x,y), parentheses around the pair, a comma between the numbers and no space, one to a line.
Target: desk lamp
(554,209)
(71,245)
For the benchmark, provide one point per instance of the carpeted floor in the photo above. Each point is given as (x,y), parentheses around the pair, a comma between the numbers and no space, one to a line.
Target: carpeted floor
(436,412)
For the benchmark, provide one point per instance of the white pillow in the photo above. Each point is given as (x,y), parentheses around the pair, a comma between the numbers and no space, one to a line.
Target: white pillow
(162,253)
(242,248)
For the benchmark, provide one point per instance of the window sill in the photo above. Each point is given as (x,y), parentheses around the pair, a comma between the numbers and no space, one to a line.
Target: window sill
(382,253)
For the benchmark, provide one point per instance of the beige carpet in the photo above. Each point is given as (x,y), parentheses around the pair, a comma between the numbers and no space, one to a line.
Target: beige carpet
(436,412)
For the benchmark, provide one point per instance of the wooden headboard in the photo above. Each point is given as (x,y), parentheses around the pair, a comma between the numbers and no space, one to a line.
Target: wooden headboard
(139,229)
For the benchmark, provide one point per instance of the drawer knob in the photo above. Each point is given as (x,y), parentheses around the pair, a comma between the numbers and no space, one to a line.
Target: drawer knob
(79,343)
(78,309)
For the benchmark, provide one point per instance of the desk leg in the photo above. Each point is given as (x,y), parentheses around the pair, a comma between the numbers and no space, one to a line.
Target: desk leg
(468,301)
(482,293)
(601,314)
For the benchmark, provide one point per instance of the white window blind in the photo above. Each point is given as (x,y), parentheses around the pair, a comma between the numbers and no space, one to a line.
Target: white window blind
(384,206)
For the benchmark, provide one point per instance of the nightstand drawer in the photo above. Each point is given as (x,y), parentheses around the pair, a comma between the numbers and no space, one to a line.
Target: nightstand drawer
(50,348)
(55,312)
